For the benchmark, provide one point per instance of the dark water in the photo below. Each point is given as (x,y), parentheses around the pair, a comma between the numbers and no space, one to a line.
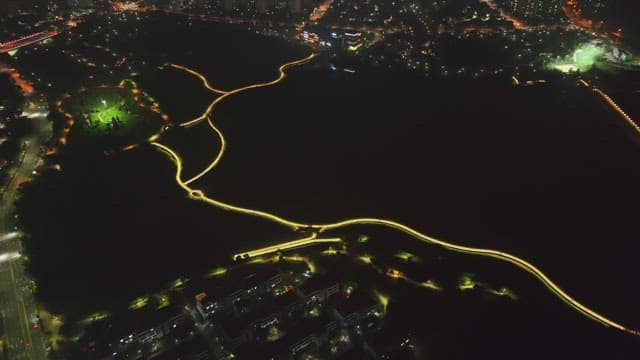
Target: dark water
(547,173)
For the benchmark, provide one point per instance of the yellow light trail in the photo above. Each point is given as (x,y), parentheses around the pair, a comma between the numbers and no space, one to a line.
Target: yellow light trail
(214,163)
(311,240)
(155,107)
(199,195)
(317,229)
(281,76)
(199,76)
(225,94)
(489,253)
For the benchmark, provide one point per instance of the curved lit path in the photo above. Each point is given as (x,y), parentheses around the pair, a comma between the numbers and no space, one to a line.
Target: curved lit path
(204,80)
(196,194)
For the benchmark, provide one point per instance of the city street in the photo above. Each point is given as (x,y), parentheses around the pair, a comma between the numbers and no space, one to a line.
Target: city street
(20,339)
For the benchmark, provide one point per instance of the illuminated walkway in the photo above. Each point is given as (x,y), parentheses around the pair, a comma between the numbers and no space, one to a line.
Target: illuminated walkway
(316,229)
(311,240)
(199,76)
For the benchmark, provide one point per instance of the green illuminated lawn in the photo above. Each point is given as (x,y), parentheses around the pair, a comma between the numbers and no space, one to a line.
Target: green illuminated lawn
(123,114)
(108,110)
(582,59)
(109,117)
(586,55)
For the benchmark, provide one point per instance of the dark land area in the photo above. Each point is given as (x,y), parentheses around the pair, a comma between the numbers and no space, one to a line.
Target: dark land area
(546,172)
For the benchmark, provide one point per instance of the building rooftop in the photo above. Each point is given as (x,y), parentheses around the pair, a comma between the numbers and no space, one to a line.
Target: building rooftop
(259,277)
(359,300)
(136,321)
(188,350)
(389,338)
(293,334)
(234,326)
(241,278)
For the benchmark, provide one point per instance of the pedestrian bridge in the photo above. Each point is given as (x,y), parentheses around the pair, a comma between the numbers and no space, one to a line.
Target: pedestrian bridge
(284,246)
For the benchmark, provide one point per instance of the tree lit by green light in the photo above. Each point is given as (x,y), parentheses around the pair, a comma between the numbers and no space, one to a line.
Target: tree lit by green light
(407,256)
(431,284)
(349,287)
(273,333)
(383,299)
(91,318)
(503,291)
(367,259)
(162,300)
(139,303)
(217,271)
(330,252)
(466,282)
(178,283)
(313,312)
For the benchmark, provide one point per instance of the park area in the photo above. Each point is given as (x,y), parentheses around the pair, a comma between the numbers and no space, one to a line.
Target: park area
(123,113)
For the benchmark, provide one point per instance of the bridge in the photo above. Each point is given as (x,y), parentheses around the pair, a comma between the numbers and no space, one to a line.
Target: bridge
(612,104)
(312,240)
(27,40)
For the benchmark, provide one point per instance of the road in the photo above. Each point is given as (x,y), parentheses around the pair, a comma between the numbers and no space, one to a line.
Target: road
(16,299)
(377,32)
(320,11)
(516,23)
(26,41)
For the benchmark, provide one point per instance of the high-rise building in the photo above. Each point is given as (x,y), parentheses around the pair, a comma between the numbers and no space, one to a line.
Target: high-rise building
(534,10)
